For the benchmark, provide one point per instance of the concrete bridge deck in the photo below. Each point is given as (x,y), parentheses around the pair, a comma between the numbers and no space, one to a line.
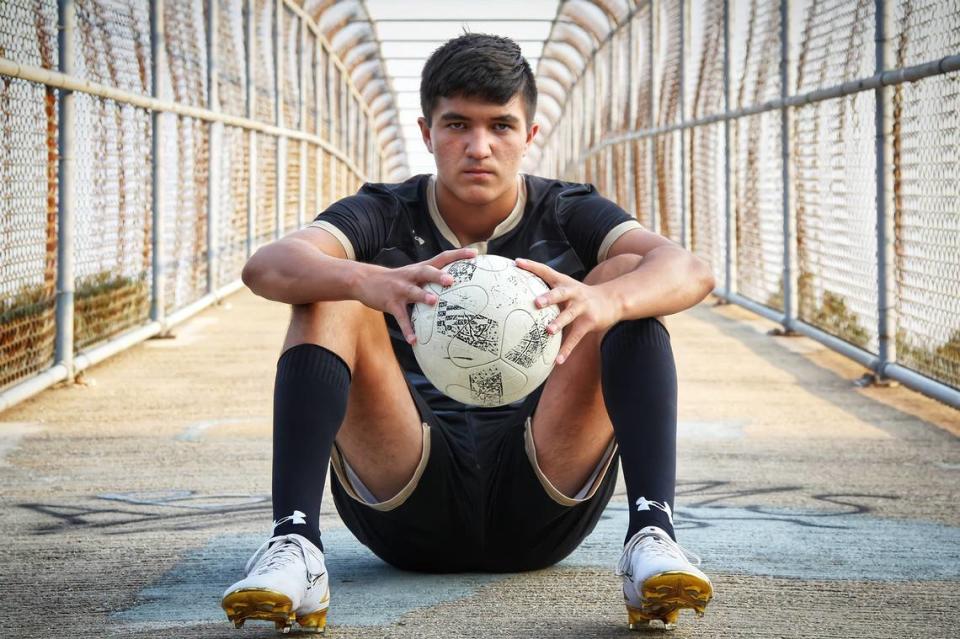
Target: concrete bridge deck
(820,509)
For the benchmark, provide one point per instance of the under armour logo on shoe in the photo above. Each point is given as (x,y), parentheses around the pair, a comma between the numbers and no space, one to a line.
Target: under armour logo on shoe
(296,518)
(644,504)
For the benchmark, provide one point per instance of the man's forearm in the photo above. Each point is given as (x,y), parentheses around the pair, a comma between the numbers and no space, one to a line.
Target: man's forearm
(295,272)
(668,280)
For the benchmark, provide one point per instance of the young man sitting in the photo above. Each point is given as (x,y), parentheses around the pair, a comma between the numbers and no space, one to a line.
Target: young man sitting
(425,482)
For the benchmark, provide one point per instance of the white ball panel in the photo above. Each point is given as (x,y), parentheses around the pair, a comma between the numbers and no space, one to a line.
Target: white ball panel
(464,355)
(423,318)
(535,284)
(469,296)
(493,263)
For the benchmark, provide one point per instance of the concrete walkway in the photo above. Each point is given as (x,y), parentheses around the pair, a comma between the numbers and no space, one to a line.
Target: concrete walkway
(821,510)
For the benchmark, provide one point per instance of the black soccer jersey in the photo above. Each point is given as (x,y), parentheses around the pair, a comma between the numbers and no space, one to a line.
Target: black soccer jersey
(567,226)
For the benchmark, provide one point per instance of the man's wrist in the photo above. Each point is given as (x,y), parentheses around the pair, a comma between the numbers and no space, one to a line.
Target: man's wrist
(616,297)
(358,277)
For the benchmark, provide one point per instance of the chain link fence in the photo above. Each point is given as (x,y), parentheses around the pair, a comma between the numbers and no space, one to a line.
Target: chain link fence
(145,159)
(146,155)
(807,149)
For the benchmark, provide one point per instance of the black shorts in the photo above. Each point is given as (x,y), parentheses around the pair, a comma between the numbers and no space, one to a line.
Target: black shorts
(477,501)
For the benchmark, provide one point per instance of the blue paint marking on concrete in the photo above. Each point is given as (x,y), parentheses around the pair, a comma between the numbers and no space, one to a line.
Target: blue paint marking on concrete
(194,432)
(752,541)
(364,590)
(799,544)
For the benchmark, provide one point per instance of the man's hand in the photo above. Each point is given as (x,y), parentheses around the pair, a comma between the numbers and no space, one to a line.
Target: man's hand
(392,290)
(585,308)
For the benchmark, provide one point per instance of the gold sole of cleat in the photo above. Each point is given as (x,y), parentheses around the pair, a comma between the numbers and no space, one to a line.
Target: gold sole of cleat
(314,622)
(640,620)
(665,595)
(265,605)
(269,605)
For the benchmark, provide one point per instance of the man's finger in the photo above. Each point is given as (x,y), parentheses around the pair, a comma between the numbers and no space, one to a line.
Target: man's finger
(568,345)
(544,272)
(554,296)
(446,257)
(427,273)
(403,319)
(417,295)
(565,317)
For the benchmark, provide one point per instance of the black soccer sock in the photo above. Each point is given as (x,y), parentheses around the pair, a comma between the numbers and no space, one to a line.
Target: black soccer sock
(309,403)
(640,391)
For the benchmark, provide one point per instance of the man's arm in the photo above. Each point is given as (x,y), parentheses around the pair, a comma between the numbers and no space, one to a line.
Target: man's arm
(668,280)
(309,266)
(303,267)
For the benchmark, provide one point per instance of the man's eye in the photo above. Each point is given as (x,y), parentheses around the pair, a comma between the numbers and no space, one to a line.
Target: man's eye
(456,126)
(500,126)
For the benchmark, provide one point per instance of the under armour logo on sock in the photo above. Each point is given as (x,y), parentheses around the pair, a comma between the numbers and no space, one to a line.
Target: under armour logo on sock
(644,504)
(296,518)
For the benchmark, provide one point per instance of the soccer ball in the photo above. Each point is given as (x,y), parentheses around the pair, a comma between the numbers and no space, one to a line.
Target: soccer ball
(485,343)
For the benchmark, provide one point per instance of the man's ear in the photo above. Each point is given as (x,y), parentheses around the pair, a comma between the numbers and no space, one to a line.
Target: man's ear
(425,133)
(531,133)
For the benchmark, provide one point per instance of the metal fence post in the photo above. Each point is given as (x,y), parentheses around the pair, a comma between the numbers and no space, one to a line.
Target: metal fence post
(302,202)
(318,127)
(346,147)
(369,170)
(790,272)
(160,71)
(610,95)
(344,118)
(281,148)
(652,159)
(371,152)
(331,187)
(252,146)
(66,41)
(729,274)
(215,142)
(886,297)
(331,170)
(629,160)
(684,133)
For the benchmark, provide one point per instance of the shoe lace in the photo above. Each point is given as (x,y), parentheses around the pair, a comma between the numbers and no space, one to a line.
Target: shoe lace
(653,543)
(285,551)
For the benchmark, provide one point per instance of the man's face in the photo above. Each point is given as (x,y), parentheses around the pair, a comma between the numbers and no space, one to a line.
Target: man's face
(478,146)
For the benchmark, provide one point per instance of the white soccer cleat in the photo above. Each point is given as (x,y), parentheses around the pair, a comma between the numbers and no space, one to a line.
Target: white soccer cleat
(659,580)
(285,582)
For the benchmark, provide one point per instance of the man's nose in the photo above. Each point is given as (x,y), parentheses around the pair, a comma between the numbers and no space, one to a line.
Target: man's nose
(478,144)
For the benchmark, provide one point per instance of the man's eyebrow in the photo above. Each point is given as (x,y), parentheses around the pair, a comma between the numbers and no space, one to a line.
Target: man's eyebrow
(454,116)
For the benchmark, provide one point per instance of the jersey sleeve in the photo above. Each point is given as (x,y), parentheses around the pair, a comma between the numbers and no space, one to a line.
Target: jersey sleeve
(591,222)
(361,222)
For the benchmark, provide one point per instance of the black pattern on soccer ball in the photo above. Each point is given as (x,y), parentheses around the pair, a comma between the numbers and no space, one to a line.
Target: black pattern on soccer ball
(471,328)
(486,386)
(530,347)
(462,272)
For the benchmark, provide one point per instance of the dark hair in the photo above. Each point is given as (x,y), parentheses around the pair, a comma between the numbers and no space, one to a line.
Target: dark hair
(477,65)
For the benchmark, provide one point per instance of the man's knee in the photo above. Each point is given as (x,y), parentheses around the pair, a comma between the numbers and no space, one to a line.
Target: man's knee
(613,267)
(335,325)
(317,311)
(346,316)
